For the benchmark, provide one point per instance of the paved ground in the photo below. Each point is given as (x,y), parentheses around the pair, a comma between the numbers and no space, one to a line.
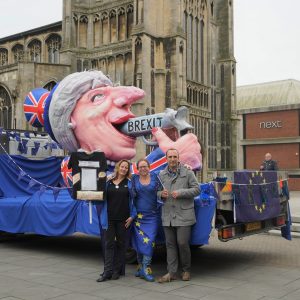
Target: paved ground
(295,204)
(261,267)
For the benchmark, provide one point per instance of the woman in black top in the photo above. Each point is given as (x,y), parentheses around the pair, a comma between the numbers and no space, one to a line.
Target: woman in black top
(116,217)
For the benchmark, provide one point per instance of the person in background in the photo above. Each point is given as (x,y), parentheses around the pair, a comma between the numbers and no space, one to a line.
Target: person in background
(116,216)
(179,187)
(145,226)
(269,164)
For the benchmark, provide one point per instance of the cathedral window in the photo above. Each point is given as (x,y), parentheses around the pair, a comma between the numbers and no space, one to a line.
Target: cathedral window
(105,29)
(96,25)
(138,62)
(152,89)
(222,76)
(113,26)
(3,57)
(35,51)
(18,53)
(121,24)
(83,25)
(5,109)
(53,46)
(168,90)
(152,54)
(129,20)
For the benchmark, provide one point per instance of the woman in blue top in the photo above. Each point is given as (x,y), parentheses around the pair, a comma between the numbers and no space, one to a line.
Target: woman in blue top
(116,216)
(145,226)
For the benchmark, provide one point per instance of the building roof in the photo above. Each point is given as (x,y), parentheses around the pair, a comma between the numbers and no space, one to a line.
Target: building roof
(17,36)
(269,96)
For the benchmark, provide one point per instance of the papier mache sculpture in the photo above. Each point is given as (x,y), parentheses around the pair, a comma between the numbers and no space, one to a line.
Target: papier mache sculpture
(86,112)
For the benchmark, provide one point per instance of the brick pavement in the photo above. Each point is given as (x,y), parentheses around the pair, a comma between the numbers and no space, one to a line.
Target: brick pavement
(259,267)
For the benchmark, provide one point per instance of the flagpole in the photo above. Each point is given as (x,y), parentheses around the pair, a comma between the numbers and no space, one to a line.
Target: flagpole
(91,212)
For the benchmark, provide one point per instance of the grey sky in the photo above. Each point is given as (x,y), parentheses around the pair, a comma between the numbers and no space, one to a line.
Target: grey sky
(267,40)
(267,33)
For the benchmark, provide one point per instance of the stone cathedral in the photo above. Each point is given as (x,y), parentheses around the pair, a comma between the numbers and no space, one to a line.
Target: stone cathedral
(179,51)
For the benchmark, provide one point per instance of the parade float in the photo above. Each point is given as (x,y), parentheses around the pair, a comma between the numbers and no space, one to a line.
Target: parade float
(86,113)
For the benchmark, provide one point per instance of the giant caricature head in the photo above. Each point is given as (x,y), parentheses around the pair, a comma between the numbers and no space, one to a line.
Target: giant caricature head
(84,109)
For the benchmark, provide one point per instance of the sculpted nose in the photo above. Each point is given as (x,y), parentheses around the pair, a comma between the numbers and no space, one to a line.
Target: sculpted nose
(128,95)
(134,94)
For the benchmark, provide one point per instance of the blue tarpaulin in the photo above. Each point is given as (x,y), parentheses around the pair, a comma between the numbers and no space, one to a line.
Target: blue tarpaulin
(17,171)
(29,208)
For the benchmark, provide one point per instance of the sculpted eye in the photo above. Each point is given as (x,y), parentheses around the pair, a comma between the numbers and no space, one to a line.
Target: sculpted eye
(98,97)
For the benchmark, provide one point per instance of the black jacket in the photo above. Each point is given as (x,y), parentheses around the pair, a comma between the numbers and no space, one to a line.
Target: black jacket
(269,165)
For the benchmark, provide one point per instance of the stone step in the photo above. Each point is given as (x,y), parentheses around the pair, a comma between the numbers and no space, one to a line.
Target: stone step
(295,227)
(296,218)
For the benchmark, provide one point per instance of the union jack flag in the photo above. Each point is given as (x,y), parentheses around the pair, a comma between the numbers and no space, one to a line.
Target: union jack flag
(157,160)
(66,173)
(34,107)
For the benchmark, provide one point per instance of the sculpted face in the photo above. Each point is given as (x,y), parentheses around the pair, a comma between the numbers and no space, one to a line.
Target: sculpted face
(96,117)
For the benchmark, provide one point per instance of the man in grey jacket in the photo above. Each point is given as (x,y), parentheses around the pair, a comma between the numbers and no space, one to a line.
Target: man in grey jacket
(180,186)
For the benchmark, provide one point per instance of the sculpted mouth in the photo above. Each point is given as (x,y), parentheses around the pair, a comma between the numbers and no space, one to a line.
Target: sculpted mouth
(117,124)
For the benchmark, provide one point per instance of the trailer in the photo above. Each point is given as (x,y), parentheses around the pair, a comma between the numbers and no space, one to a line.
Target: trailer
(226,223)
(32,200)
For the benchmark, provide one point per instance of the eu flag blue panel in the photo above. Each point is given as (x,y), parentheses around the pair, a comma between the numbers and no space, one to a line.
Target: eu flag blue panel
(145,229)
(205,205)
(256,195)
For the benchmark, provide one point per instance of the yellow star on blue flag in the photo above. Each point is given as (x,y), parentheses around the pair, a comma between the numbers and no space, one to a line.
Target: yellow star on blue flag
(146,240)
(140,216)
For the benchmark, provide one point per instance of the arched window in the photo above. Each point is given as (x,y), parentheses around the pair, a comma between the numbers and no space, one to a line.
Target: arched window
(83,26)
(53,46)
(3,57)
(121,24)
(50,85)
(105,28)
(129,20)
(18,53)
(5,109)
(138,62)
(35,50)
(113,26)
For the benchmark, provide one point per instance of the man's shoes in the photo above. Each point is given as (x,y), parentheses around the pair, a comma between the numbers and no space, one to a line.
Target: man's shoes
(186,276)
(115,276)
(166,278)
(104,277)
